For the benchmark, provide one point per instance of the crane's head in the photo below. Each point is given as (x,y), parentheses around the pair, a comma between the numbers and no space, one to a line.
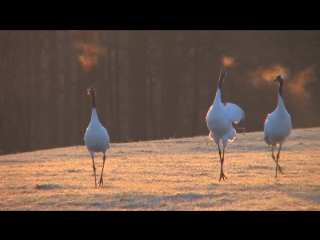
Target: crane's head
(278,79)
(91,91)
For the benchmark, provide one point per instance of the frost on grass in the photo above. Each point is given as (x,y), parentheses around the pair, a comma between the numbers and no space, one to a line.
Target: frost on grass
(164,175)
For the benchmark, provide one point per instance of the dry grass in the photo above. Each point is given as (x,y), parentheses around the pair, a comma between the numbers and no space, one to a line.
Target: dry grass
(173,174)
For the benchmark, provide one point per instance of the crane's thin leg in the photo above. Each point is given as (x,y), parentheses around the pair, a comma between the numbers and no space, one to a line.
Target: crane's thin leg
(219,152)
(221,170)
(94,172)
(274,158)
(101,180)
(278,156)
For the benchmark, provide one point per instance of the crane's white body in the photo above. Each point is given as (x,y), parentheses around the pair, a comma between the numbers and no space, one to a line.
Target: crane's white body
(219,120)
(278,125)
(96,137)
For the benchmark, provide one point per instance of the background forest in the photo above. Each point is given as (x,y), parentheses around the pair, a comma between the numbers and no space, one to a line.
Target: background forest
(150,84)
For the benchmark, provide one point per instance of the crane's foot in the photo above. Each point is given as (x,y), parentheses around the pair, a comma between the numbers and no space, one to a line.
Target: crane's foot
(278,167)
(100,181)
(280,170)
(222,176)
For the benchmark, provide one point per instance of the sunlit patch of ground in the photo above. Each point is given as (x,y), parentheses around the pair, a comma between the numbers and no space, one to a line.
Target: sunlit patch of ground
(173,174)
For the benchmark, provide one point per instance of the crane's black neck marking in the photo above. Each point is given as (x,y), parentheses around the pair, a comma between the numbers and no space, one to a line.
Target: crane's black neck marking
(223,74)
(92,92)
(280,87)
(93,102)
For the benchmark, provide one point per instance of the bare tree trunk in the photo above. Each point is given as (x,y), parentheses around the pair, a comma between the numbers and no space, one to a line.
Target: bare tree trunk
(61,89)
(21,89)
(33,65)
(69,89)
(44,91)
(110,87)
(151,111)
(53,91)
(9,109)
(117,90)
(13,72)
(137,84)
(83,109)
(75,103)
(170,87)
(196,84)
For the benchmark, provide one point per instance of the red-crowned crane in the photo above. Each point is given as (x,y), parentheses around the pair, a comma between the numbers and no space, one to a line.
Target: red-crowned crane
(277,126)
(219,120)
(96,137)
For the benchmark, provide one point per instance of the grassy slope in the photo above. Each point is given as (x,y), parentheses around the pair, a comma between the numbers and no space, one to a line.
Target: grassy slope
(173,174)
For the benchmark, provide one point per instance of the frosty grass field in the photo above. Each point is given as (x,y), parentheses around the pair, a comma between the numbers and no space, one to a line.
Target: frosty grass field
(172,174)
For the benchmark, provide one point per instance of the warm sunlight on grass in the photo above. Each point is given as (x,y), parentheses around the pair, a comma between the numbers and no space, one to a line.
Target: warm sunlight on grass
(173,174)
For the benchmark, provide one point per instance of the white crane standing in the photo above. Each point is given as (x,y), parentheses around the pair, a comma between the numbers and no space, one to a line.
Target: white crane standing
(277,126)
(219,120)
(96,137)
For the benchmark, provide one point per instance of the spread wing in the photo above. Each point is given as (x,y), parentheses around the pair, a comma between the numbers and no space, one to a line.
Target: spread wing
(235,113)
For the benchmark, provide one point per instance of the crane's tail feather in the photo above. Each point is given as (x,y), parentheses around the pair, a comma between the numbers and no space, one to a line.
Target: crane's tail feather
(231,135)
(213,137)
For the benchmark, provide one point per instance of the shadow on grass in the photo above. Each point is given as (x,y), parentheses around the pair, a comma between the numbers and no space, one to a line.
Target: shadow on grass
(137,201)
(47,186)
(312,195)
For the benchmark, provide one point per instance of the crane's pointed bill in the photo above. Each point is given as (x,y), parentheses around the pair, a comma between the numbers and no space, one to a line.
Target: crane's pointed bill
(275,80)
(278,79)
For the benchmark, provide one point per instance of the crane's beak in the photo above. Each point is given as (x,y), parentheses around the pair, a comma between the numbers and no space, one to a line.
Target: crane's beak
(276,80)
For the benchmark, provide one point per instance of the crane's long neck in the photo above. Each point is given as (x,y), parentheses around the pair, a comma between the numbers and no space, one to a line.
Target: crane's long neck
(221,78)
(93,102)
(280,99)
(280,88)
(94,115)
(218,97)
(223,74)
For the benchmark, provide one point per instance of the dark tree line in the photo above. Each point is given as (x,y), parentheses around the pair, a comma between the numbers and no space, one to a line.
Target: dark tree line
(150,84)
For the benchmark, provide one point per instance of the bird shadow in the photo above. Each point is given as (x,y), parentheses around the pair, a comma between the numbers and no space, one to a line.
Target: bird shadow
(47,186)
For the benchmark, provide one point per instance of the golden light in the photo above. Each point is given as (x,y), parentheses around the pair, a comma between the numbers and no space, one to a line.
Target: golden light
(89,54)
(294,85)
(297,83)
(228,61)
(268,74)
